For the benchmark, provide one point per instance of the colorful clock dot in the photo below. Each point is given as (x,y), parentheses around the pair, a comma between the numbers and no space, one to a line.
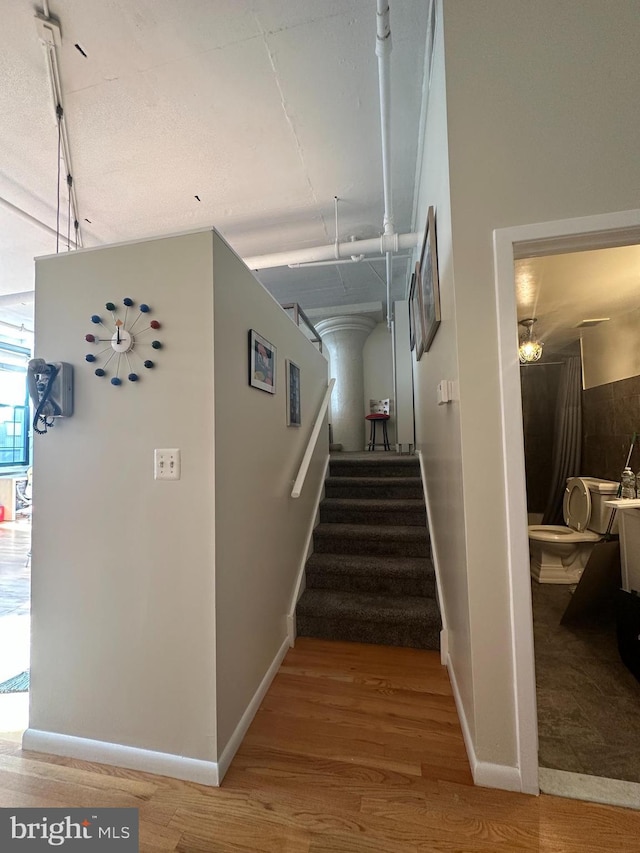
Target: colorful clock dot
(128,302)
(100,372)
(95,318)
(90,338)
(89,357)
(154,324)
(116,381)
(133,377)
(148,363)
(144,308)
(156,344)
(110,306)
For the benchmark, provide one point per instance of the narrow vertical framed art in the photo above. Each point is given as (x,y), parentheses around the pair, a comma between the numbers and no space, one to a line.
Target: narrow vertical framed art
(294,412)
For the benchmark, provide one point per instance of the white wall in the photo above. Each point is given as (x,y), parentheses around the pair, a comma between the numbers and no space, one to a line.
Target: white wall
(377,358)
(159,607)
(438,427)
(610,351)
(538,125)
(122,568)
(260,530)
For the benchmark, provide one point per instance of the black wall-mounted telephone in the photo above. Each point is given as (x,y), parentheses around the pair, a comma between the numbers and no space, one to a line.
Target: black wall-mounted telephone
(51,389)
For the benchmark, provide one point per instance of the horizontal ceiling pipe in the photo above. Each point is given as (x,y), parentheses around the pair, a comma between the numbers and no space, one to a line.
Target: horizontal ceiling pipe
(29,218)
(374,245)
(354,259)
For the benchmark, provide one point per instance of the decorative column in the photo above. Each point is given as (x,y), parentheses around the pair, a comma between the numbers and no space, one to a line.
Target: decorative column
(344,337)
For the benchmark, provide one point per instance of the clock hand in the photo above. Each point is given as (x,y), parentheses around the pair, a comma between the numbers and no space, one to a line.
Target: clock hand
(118,335)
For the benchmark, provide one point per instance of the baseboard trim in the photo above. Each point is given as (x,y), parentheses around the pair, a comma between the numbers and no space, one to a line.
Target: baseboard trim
(245,721)
(484,774)
(119,755)
(444,647)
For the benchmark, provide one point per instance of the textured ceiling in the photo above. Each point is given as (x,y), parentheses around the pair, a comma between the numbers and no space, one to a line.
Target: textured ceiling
(264,109)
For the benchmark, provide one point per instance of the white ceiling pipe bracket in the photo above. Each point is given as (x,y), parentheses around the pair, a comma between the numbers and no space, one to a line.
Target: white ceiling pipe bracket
(372,246)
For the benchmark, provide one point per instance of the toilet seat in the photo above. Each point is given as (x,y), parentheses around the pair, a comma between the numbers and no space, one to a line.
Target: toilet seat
(576,504)
(559,533)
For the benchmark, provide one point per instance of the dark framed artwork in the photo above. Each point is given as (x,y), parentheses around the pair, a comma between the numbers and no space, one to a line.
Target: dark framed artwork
(429,283)
(415,313)
(412,333)
(262,363)
(294,416)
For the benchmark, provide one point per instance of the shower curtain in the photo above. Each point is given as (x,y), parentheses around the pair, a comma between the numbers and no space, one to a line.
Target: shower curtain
(567,438)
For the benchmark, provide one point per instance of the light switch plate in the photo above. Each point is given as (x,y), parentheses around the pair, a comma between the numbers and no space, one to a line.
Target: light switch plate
(166,464)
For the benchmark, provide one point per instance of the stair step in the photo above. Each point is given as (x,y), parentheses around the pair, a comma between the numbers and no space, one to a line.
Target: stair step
(381,575)
(404,541)
(374,487)
(365,618)
(390,466)
(373,511)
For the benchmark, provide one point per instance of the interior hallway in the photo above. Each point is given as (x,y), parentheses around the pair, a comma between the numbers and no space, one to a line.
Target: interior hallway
(355,749)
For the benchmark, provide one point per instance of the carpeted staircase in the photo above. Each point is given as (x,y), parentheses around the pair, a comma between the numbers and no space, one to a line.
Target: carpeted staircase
(370,578)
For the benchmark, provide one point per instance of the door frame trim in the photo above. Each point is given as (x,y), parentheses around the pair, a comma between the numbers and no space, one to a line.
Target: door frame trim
(544,238)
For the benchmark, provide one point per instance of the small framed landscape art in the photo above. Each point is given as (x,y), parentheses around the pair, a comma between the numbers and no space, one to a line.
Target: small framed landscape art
(262,363)
(294,417)
(429,286)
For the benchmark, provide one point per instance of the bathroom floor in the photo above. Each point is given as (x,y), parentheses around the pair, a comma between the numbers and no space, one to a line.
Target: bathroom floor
(588,701)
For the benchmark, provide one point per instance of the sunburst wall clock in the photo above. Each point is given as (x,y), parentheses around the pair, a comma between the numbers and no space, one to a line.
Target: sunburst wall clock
(127,346)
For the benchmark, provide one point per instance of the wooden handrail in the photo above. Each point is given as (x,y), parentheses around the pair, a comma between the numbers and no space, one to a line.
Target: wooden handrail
(315,432)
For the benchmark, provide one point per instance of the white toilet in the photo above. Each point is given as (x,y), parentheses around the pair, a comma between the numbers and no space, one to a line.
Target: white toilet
(558,553)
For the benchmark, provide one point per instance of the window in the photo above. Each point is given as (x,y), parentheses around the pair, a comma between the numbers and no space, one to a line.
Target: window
(14,406)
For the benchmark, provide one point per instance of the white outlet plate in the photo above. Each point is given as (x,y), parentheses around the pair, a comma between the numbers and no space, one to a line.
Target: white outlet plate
(166,464)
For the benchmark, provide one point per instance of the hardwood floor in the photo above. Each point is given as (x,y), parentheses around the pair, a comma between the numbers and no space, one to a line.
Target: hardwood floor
(355,749)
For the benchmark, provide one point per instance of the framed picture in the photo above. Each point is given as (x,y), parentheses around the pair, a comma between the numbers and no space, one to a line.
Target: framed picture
(412,334)
(415,309)
(294,418)
(429,285)
(262,363)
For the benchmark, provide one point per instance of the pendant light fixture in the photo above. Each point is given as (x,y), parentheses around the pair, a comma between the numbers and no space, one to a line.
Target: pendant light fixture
(530,350)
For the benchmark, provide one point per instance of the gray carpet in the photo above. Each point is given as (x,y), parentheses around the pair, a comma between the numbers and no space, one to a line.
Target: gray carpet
(371,578)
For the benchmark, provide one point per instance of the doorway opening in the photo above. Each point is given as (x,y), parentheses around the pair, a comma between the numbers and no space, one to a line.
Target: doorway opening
(575,734)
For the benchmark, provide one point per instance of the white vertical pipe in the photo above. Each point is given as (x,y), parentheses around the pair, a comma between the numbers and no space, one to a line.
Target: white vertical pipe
(383,52)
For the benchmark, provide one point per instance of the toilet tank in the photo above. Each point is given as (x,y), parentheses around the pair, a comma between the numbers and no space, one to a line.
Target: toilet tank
(601,491)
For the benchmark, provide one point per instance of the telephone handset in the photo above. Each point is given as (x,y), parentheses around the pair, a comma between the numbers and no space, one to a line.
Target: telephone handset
(51,389)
